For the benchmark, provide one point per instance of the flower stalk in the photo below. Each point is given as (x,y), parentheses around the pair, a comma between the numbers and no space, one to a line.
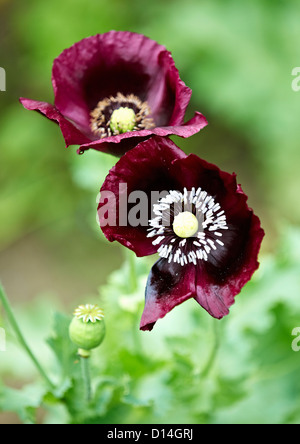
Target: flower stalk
(214,350)
(85,369)
(132,270)
(21,339)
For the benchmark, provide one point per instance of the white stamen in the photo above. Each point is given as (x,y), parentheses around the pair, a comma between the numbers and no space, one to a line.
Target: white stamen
(199,254)
(185,250)
(207,248)
(158,240)
(197,244)
(152,233)
(211,243)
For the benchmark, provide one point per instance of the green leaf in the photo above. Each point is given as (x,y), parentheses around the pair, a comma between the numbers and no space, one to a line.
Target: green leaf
(63,348)
(24,402)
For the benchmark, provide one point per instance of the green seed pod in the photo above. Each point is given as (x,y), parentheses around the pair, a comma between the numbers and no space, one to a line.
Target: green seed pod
(122,120)
(87,329)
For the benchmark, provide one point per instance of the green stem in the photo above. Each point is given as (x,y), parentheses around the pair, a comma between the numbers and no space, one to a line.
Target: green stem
(20,336)
(132,270)
(85,368)
(214,351)
(133,286)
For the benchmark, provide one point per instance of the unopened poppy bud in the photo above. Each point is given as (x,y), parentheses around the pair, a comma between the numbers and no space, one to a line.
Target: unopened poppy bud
(87,329)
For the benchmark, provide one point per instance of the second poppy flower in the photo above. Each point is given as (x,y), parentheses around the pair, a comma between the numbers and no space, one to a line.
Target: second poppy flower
(194,215)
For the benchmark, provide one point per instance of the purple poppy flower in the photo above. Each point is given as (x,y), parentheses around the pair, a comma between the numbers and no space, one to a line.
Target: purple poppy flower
(114,90)
(207,237)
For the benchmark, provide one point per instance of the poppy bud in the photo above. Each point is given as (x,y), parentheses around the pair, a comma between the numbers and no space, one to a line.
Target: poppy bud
(87,328)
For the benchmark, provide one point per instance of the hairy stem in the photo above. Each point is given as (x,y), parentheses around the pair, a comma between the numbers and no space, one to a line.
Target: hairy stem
(85,368)
(132,270)
(214,350)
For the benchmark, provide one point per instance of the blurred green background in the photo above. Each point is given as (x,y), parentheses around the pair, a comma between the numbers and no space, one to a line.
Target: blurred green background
(237,57)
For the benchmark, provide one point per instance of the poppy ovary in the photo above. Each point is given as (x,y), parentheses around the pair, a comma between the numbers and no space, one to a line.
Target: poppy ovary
(185,224)
(87,328)
(122,120)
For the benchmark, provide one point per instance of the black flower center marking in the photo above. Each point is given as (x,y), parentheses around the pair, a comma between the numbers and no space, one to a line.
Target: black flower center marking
(120,114)
(188,226)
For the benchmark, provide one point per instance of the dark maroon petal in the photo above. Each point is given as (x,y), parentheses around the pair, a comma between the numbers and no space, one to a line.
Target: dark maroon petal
(122,143)
(71,134)
(117,61)
(196,172)
(228,269)
(144,168)
(216,288)
(168,286)
(215,299)
(168,96)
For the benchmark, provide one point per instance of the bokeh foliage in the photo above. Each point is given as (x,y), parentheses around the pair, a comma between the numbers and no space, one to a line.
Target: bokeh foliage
(237,57)
(190,369)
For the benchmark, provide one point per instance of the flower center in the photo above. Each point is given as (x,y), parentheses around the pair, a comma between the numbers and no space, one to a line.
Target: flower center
(188,226)
(120,114)
(122,120)
(185,224)
(88,313)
